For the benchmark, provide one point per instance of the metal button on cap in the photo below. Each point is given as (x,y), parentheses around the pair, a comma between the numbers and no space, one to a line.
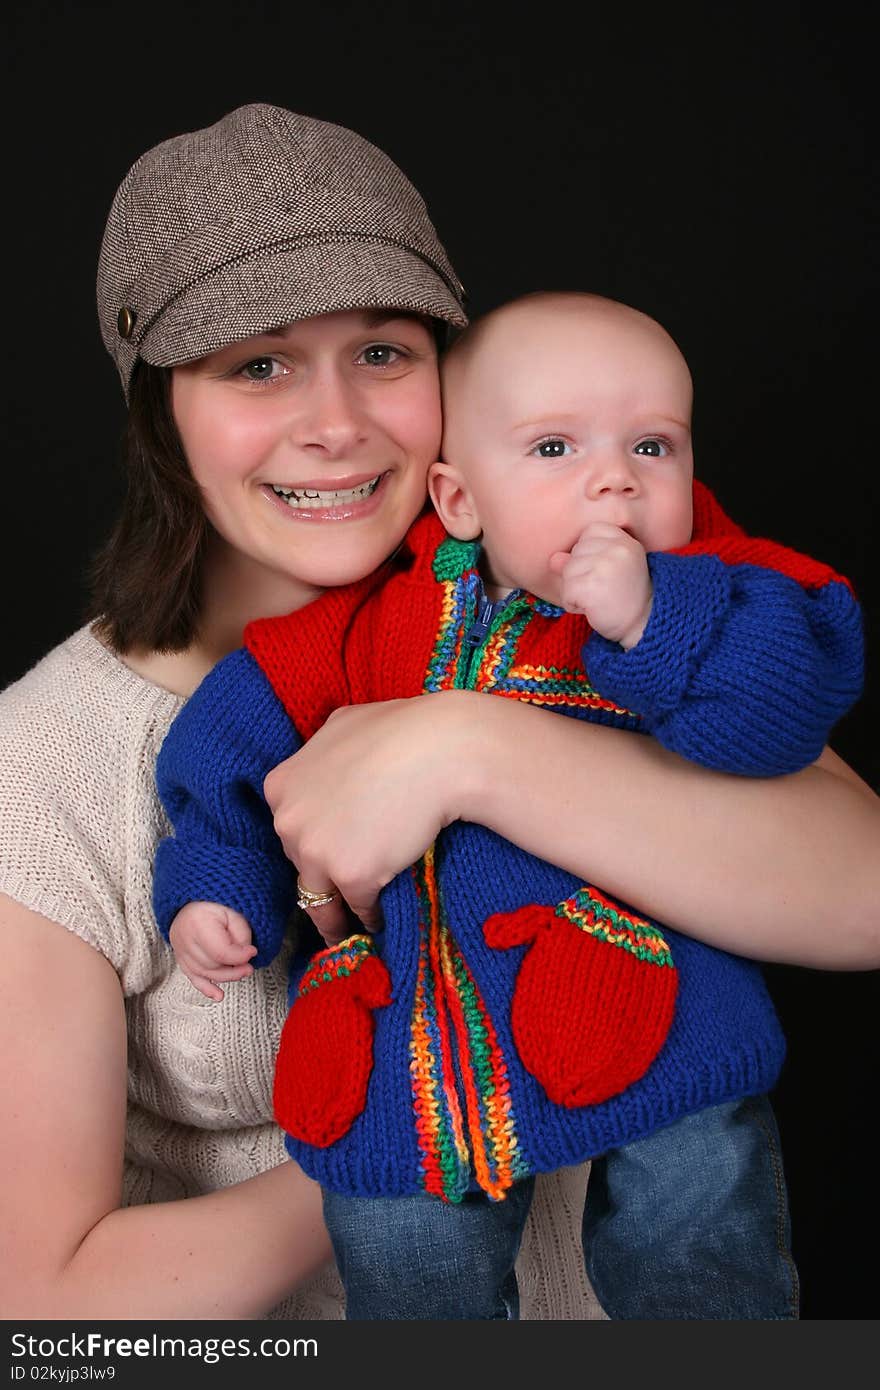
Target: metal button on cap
(125,322)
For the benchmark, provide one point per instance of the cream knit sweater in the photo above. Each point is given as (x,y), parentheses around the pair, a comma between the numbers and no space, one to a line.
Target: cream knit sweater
(79,823)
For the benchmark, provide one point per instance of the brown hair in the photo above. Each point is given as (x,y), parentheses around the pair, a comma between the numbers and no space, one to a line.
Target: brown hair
(146,583)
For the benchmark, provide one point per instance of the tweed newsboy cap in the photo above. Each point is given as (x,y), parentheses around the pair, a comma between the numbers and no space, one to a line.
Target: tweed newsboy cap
(263,218)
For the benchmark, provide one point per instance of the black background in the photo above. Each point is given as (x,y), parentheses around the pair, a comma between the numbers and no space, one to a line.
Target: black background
(707,163)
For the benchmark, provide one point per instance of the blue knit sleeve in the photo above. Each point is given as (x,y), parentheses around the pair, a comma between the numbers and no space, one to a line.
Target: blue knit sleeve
(231,732)
(739,668)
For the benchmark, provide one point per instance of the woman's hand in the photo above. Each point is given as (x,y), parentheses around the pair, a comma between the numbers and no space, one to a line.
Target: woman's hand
(737,862)
(367,795)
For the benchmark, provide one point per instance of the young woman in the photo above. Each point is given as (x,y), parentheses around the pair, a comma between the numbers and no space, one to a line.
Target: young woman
(143,1175)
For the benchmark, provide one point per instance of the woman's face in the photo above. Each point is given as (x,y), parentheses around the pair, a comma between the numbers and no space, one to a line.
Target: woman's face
(311,444)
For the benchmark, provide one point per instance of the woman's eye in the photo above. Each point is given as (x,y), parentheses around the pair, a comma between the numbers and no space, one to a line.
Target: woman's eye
(654,448)
(261,369)
(552,449)
(381,355)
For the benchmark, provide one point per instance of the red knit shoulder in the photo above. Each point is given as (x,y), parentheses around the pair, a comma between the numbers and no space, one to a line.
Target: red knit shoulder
(301,652)
(710,518)
(389,643)
(715,534)
(360,642)
(422,539)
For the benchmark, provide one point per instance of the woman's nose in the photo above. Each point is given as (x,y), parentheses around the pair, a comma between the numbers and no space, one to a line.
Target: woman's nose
(329,416)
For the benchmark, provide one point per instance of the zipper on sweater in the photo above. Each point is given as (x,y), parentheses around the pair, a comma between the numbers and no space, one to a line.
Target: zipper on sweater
(479,630)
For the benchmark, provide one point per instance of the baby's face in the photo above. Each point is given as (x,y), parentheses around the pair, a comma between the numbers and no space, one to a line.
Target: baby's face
(570,411)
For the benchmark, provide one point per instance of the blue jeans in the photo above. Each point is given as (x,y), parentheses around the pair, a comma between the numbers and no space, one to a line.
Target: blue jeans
(689,1223)
(693,1221)
(421,1258)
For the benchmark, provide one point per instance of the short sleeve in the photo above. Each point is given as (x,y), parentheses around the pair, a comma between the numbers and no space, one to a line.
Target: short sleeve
(79,817)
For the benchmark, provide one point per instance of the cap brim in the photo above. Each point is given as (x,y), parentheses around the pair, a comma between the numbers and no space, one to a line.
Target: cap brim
(262,293)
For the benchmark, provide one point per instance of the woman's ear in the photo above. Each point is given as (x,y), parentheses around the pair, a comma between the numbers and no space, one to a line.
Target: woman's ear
(453,502)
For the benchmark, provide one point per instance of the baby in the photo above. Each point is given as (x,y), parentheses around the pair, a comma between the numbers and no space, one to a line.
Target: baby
(510,1019)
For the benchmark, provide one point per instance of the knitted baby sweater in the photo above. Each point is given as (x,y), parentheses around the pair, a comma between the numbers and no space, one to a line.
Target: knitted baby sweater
(509,1019)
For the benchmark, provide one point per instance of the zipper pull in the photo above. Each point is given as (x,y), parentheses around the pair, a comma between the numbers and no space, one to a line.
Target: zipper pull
(481,624)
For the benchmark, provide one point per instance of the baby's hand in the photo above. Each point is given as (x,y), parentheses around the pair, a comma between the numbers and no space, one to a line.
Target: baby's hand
(606,578)
(211,943)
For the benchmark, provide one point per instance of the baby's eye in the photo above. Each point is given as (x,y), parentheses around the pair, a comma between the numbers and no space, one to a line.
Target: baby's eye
(262,369)
(654,448)
(552,449)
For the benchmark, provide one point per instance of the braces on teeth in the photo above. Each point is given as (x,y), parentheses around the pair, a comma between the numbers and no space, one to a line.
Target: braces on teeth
(314,498)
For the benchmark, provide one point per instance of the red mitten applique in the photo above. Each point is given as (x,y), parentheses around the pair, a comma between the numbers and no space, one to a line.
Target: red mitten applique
(326,1053)
(594,996)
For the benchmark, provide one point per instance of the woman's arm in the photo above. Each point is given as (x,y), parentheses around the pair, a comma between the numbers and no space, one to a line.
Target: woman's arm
(785,869)
(70,1251)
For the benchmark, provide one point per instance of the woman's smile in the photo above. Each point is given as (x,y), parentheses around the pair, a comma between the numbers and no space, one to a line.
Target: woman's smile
(347,499)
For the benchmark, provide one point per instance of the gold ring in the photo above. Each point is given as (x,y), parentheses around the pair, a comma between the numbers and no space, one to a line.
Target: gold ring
(305,898)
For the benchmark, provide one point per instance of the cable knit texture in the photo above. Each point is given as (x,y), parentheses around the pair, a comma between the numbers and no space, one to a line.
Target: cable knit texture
(534,1022)
(79,824)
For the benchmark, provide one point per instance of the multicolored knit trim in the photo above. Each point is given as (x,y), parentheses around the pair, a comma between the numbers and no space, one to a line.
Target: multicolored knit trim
(438,1118)
(336,961)
(487,667)
(457,611)
(555,686)
(452,665)
(455,666)
(454,1043)
(591,912)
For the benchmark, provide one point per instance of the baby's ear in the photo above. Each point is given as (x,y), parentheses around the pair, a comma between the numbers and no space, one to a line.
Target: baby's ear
(453,502)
